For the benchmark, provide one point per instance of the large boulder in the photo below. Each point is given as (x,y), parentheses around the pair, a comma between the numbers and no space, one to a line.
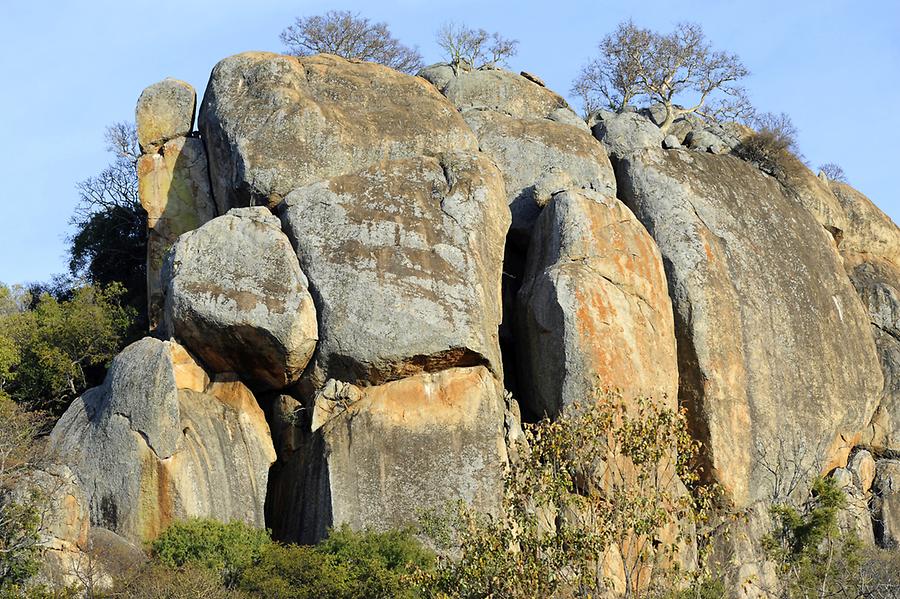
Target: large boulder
(236,297)
(871,250)
(877,281)
(378,456)
(539,144)
(623,133)
(273,123)
(869,230)
(773,341)
(500,91)
(404,260)
(539,157)
(158,442)
(165,110)
(593,308)
(173,186)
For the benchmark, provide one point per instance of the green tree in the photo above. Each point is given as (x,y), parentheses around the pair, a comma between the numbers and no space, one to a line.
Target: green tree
(605,480)
(59,348)
(227,549)
(109,244)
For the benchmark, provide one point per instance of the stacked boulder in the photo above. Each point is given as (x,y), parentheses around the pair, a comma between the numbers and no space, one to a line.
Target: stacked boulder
(348,266)
(588,306)
(172,174)
(399,224)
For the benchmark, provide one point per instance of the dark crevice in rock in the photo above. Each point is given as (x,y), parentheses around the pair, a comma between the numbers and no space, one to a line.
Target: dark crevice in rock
(513,273)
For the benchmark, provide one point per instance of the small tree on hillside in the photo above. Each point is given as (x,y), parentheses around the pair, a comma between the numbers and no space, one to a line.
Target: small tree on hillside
(833,171)
(640,66)
(351,36)
(109,244)
(475,47)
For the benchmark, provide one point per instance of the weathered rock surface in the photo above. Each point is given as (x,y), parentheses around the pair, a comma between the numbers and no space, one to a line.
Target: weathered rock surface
(165,110)
(854,517)
(173,185)
(813,194)
(886,503)
(869,230)
(877,281)
(772,338)
(593,308)
(273,123)
(378,460)
(737,555)
(150,445)
(236,297)
(539,157)
(626,132)
(500,91)
(404,261)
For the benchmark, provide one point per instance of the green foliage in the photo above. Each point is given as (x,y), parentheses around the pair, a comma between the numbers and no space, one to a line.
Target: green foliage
(604,480)
(227,549)
(109,244)
(21,506)
(816,559)
(19,535)
(54,351)
(343,566)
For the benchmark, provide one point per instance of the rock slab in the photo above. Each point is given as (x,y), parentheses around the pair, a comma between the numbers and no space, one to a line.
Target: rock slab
(235,296)
(404,260)
(772,338)
(593,310)
(150,445)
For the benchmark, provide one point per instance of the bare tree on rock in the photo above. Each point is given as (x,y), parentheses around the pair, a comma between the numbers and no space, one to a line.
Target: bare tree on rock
(642,67)
(351,36)
(475,47)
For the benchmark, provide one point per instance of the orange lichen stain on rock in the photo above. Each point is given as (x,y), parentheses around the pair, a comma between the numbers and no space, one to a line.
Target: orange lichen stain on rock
(594,317)
(839,451)
(188,374)
(446,398)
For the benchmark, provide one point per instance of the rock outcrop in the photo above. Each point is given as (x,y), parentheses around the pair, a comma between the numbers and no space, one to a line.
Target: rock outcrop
(404,260)
(539,144)
(772,338)
(165,111)
(593,309)
(173,176)
(157,441)
(886,503)
(236,297)
(376,457)
(379,257)
(273,123)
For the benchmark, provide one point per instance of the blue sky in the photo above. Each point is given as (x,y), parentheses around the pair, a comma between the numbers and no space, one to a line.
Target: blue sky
(70,67)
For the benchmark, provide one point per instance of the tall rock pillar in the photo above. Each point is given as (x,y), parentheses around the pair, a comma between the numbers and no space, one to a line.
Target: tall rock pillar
(173,175)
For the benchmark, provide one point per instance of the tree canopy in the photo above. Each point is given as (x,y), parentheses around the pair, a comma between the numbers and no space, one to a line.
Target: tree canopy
(350,36)
(642,67)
